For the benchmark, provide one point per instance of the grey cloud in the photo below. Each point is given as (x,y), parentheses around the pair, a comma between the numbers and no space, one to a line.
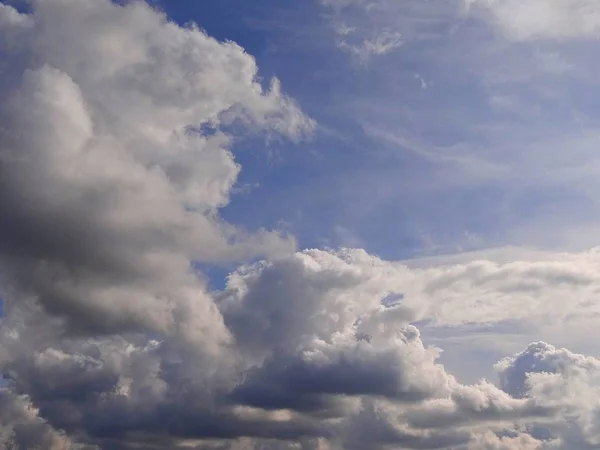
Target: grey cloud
(107,195)
(110,391)
(363,380)
(22,429)
(379,427)
(480,404)
(296,383)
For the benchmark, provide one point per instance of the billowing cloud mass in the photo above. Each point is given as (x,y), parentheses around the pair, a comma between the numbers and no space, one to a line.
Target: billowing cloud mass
(114,161)
(109,188)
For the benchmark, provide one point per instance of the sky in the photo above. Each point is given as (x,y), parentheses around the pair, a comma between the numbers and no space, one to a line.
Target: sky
(285,225)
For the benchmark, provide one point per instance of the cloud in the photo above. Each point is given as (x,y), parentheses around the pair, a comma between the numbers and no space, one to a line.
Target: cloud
(539,19)
(114,162)
(558,377)
(319,355)
(367,29)
(480,290)
(22,428)
(519,21)
(335,322)
(354,368)
(381,44)
(521,441)
(110,188)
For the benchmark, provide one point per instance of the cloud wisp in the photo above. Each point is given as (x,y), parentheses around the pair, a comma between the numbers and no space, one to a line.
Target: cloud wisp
(505,119)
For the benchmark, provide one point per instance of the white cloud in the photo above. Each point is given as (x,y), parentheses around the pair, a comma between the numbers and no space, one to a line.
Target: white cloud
(368,29)
(541,289)
(533,19)
(559,378)
(381,44)
(519,20)
(522,441)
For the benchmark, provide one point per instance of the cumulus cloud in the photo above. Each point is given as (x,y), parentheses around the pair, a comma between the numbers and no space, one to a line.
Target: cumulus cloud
(558,378)
(532,289)
(22,428)
(324,357)
(115,157)
(109,188)
(342,313)
(321,351)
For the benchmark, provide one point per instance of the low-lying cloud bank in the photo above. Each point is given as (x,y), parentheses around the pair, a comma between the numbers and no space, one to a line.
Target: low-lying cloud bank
(316,357)
(110,189)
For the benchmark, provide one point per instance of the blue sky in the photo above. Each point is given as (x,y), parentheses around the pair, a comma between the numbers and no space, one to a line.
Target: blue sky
(458,138)
(324,190)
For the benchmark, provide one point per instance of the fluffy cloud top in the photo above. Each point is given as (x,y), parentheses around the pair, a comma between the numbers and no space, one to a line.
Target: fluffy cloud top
(111,186)
(110,190)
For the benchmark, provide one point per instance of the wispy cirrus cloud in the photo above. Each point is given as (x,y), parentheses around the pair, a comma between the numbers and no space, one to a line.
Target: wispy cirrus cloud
(367,29)
(538,19)
(505,113)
